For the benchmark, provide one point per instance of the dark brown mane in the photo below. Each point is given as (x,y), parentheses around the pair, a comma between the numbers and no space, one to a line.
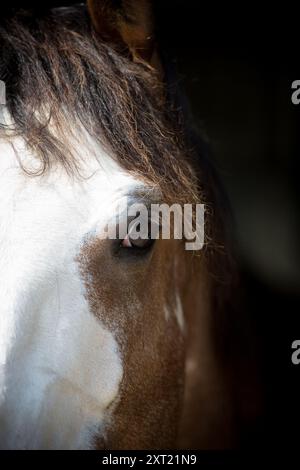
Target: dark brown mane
(56,70)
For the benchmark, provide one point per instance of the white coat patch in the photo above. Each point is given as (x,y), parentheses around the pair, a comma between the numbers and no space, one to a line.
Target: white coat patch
(60,368)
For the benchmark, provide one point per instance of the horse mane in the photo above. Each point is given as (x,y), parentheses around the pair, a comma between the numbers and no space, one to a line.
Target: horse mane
(59,74)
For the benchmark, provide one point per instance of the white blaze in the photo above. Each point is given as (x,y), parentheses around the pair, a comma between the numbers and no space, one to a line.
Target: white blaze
(59,367)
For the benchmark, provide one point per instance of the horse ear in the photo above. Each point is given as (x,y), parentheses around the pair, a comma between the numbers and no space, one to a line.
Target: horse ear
(125,22)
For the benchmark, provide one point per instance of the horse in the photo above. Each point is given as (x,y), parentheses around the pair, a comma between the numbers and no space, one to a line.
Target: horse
(104,344)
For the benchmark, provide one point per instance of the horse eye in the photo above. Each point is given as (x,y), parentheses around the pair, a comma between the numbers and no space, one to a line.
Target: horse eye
(138,243)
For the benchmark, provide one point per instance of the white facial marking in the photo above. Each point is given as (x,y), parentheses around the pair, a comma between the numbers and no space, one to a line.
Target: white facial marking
(59,367)
(179,312)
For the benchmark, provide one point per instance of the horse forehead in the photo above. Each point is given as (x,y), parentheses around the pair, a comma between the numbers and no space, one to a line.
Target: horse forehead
(57,205)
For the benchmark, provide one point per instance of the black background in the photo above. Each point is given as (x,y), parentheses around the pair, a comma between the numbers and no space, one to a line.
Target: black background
(237,64)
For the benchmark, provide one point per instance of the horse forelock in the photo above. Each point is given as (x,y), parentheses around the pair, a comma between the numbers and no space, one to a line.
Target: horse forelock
(59,73)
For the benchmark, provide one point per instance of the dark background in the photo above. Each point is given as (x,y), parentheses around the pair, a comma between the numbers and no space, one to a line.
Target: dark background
(237,64)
